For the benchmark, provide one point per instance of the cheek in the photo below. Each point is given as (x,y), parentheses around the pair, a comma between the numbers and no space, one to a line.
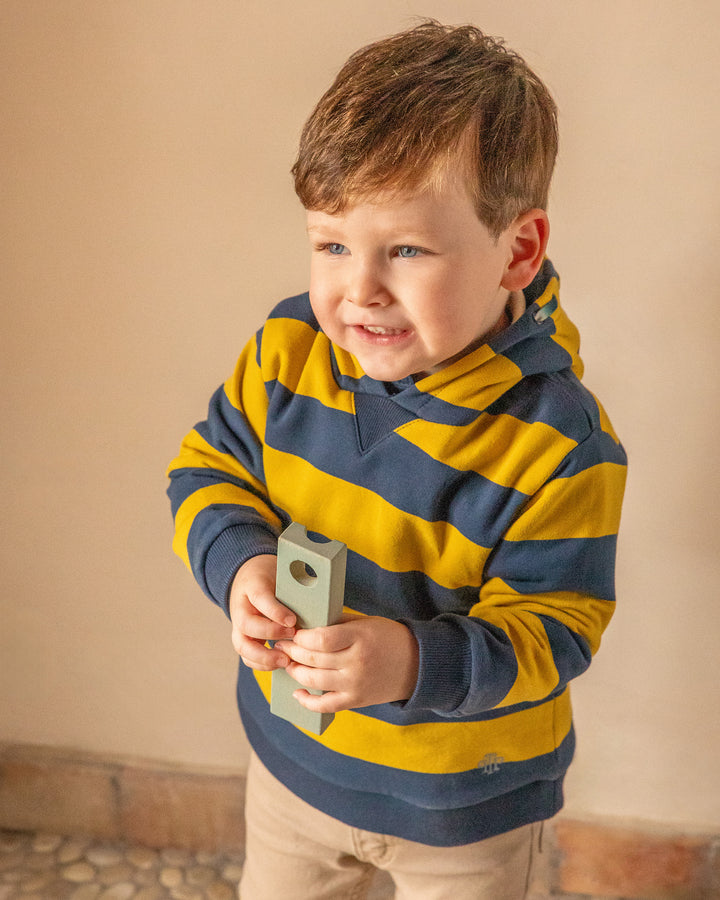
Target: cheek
(443,305)
(324,309)
(455,321)
(323,287)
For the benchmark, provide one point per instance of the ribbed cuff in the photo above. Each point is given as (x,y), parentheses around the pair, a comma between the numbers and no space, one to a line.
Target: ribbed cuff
(229,551)
(445,666)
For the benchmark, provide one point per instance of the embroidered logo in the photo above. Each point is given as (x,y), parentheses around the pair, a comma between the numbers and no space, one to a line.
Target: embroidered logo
(491,763)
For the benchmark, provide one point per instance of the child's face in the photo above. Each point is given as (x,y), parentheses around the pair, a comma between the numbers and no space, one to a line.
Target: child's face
(406,284)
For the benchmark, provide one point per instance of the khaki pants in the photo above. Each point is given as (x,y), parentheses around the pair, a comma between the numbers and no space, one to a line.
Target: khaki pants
(295,852)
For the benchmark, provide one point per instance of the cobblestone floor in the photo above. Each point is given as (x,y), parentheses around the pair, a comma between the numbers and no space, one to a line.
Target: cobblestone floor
(51,867)
(36,866)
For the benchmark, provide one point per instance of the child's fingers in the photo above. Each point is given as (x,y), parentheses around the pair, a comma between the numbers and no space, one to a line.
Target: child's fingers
(253,591)
(329,702)
(312,678)
(313,659)
(257,615)
(256,654)
(330,639)
(260,628)
(269,606)
(261,615)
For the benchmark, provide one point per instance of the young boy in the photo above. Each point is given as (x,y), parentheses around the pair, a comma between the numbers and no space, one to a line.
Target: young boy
(423,405)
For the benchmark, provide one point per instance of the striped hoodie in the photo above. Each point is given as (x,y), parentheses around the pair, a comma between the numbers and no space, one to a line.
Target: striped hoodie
(480,506)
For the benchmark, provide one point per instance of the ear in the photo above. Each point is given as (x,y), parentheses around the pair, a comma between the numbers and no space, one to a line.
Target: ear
(527,238)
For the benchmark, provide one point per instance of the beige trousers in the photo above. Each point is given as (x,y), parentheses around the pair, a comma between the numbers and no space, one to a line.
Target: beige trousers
(295,852)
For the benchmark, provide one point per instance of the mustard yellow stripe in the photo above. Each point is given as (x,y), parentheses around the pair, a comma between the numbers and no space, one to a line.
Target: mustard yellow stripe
(305,367)
(586,505)
(318,381)
(566,334)
(445,747)
(537,675)
(245,389)
(453,385)
(552,289)
(347,364)
(201,499)
(586,616)
(292,342)
(493,441)
(393,539)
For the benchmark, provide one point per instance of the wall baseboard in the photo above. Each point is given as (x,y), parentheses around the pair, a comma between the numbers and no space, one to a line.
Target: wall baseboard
(633,861)
(139,802)
(68,792)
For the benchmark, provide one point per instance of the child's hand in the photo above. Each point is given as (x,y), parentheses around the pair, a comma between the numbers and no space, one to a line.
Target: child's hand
(258,616)
(359,662)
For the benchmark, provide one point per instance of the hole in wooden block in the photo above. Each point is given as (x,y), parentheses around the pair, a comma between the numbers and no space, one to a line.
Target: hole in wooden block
(303,573)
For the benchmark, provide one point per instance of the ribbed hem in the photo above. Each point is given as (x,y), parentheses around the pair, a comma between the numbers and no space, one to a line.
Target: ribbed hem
(385,814)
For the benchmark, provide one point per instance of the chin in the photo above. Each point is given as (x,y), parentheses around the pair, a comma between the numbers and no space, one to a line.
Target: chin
(381,373)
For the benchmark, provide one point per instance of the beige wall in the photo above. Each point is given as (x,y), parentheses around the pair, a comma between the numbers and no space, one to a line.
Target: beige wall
(148,223)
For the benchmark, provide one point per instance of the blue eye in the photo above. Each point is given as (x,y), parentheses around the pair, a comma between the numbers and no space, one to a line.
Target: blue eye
(336,249)
(406,252)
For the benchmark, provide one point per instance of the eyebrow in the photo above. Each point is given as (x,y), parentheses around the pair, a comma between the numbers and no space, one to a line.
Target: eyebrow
(408,235)
(311,228)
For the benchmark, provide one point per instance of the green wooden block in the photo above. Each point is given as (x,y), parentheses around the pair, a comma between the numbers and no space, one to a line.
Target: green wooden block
(311,582)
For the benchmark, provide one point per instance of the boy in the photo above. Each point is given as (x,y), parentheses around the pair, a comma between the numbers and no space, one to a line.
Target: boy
(423,405)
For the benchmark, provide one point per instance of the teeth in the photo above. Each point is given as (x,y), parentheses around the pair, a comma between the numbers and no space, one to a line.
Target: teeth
(378,329)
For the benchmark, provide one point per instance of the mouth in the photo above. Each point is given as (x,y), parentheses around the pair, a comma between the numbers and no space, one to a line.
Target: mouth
(380,329)
(382,335)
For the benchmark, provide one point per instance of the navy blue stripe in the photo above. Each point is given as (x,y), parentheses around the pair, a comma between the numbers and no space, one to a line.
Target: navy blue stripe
(599,447)
(525,356)
(581,565)
(374,591)
(557,399)
(571,652)
(402,714)
(434,409)
(184,483)
(367,385)
(297,307)
(227,430)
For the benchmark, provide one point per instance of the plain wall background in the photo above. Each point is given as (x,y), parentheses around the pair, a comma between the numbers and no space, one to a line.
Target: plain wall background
(148,225)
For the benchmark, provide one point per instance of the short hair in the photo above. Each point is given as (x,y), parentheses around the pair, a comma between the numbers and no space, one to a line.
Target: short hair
(409,110)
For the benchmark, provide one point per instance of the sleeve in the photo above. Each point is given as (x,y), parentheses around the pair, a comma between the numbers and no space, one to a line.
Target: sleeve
(223,515)
(547,595)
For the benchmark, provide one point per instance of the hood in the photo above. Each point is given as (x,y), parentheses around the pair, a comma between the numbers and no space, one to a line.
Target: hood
(541,340)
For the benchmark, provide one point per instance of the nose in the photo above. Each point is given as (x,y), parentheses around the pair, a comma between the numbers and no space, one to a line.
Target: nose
(365,286)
